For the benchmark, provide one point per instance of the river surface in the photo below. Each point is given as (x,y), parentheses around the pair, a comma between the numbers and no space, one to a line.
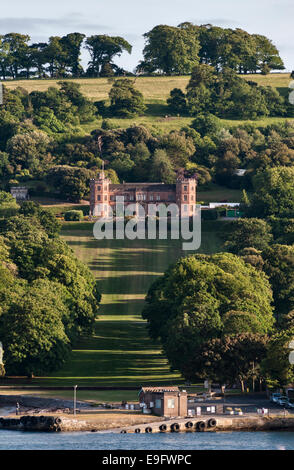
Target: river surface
(15,440)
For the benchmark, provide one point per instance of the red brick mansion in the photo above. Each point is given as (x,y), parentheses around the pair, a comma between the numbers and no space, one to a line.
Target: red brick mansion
(103,194)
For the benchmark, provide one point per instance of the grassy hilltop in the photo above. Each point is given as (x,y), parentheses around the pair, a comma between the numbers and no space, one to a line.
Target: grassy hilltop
(155,91)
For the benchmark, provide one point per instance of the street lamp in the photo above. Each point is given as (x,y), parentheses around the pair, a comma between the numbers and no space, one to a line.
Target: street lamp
(75,399)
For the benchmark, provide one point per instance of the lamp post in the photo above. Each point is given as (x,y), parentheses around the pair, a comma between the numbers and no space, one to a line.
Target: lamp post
(75,399)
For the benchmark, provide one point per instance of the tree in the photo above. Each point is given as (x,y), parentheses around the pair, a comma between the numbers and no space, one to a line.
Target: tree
(125,100)
(103,49)
(179,147)
(15,45)
(189,306)
(35,340)
(206,124)
(276,366)
(267,55)
(8,205)
(72,47)
(56,57)
(39,57)
(47,220)
(177,101)
(279,267)
(29,151)
(85,108)
(170,50)
(161,168)
(245,233)
(231,359)
(73,183)
(273,193)
(199,97)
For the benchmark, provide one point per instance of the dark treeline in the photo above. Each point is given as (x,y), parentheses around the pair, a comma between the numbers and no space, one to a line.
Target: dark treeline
(168,50)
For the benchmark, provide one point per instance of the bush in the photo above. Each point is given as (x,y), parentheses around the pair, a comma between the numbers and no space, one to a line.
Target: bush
(74,215)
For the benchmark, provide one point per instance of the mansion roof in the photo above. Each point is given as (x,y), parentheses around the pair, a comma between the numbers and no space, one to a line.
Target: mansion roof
(142,187)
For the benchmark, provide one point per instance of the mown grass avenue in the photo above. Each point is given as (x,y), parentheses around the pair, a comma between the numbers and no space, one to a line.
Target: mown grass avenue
(121,352)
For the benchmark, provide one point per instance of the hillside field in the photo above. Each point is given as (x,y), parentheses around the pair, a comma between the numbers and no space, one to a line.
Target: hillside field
(155,91)
(121,353)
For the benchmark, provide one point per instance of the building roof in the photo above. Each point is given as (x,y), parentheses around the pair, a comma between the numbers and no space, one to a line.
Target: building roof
(160,389)
(143,187)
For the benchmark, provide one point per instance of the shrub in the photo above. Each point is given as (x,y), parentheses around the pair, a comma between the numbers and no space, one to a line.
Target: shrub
(74,215)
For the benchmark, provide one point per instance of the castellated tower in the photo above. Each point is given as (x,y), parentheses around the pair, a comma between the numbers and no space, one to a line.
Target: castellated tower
(99,196)
(186,194)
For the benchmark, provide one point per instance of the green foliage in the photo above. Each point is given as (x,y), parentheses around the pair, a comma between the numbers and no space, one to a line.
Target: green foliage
(177,102)
(8,205)
(225,94)
(72,182)
(103,49)
(273,193)
(245,233)
(190,306)
(48,297)
(170,50)
(276,366)
(33,331)
(29,151)
(206,124)
(279,267)
(47,220)
(126,101)
(162,170)
(74,215)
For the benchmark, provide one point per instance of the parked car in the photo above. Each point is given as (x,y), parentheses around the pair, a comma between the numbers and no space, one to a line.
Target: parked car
(290,404)
(275,397)
(283,401)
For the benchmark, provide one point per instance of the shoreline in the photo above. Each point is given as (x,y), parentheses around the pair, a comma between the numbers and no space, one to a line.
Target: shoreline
(36,410)
(127,423)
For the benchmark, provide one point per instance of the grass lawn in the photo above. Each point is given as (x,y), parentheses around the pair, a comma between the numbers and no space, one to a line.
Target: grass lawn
(121,353)
(217,193)
(153,88)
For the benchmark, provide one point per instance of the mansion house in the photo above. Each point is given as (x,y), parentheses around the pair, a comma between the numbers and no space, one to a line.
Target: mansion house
(103,194)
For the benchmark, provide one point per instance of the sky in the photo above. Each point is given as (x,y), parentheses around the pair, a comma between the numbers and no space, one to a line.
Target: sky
(132,18)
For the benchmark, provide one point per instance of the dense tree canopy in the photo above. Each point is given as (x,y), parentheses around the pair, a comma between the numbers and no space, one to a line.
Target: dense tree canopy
(48,297)
(273,193)
(189,307)
(226,94)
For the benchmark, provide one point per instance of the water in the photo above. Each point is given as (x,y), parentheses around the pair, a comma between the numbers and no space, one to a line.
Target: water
(14,440)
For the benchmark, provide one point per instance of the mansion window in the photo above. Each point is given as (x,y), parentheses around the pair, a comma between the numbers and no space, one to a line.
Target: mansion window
(185,198)
(151,197)
(98,197)
(105,198)
(99,188)
(185,188)
(158,197)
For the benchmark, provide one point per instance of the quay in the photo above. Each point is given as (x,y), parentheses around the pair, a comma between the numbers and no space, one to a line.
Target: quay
(209,424)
